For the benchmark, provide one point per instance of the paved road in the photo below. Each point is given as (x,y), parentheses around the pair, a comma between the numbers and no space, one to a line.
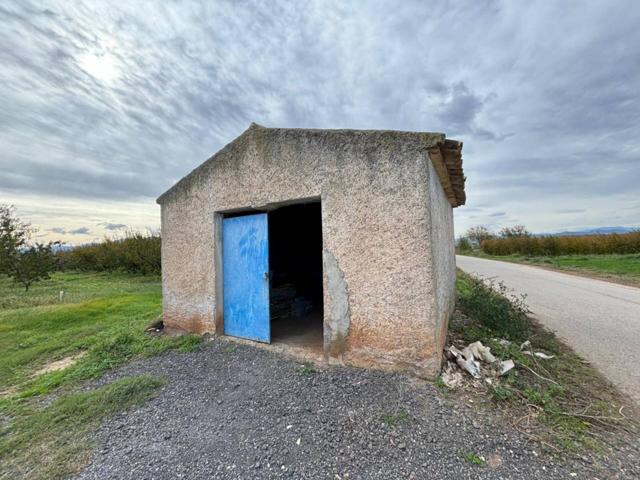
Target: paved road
(600,320)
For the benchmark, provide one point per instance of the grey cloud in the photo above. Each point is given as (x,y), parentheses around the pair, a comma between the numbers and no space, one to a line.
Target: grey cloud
(114,226)
(74,231)
(569,210)
(544,99)
(460,110)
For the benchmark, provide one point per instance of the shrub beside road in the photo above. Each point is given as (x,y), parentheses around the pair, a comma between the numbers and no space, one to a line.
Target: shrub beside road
(561,401)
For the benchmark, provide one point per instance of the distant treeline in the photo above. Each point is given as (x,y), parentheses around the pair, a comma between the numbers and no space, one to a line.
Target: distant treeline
(134,253)
(620,243)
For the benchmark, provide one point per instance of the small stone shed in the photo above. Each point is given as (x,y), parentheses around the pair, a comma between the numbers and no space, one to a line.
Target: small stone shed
(337,241)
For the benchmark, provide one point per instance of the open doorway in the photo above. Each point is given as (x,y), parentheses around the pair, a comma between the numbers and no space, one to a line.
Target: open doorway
(295,263)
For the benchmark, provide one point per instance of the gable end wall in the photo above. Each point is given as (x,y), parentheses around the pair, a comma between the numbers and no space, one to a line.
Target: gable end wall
(378,218)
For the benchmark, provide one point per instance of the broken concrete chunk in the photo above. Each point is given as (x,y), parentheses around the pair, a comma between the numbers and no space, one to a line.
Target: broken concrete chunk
(453,353)
(481,352)
(451,377)
(468,360)
(452,380)
(467,353)
(506,365)
(469,365)
(544,356)
(526,349)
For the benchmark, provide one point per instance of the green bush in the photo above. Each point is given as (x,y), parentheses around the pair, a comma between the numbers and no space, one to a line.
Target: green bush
(136,252)
(464,245)
(494,307)
(622,243)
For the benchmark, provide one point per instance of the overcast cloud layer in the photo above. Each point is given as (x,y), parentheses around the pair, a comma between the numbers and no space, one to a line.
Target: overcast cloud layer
(103,107)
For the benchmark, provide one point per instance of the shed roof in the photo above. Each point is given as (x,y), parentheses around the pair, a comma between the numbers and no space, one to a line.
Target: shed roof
(445,154)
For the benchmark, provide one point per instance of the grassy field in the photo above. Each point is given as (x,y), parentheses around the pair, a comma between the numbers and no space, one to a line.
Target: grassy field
(620,268)
(99,325)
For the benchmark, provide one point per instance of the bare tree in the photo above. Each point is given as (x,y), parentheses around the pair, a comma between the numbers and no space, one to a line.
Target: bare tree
(478,234)
(515,231)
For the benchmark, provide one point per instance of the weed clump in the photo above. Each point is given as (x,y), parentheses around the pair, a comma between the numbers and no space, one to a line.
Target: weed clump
(494,307)
(474,458)
(397,418)
(306,369)
(502,394)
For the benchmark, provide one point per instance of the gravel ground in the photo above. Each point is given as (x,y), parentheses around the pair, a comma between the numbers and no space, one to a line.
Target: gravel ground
(237,411)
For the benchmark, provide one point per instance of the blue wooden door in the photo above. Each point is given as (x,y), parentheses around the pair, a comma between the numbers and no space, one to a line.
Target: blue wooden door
(245,263)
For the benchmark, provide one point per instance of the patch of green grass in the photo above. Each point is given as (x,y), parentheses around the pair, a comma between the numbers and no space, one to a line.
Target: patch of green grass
(104,317)
(54,442)
(108,328)
(189,343)
(622,267)
(306,369)
(439,382)
(397,418)
(474,458)
(614,264)
(77,287)
(543,395)
(501,393)
(625,266)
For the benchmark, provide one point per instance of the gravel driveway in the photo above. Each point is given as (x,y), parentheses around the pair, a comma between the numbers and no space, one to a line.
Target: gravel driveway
(238,411)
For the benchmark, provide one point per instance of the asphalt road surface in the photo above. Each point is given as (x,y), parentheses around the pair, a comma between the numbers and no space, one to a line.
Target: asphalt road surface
(600,320)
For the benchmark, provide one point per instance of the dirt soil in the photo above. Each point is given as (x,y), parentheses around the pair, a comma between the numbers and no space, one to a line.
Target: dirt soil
(234,411)
(58,365)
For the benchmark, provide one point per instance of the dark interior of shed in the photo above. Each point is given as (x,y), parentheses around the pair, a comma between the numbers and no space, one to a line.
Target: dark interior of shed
(295,261)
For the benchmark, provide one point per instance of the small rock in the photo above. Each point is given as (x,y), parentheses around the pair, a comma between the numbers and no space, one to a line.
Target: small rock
(494,461)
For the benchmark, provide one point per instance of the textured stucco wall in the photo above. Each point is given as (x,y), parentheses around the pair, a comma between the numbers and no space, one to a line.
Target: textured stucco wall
(377,224)
(442,255)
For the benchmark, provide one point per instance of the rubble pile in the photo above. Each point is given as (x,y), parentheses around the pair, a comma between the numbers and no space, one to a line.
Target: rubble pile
(477,361)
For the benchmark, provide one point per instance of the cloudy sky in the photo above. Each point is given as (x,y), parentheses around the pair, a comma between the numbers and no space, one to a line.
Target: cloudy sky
(102,108)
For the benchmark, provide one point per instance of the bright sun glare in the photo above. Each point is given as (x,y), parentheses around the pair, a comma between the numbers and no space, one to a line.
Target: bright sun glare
(102,67)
